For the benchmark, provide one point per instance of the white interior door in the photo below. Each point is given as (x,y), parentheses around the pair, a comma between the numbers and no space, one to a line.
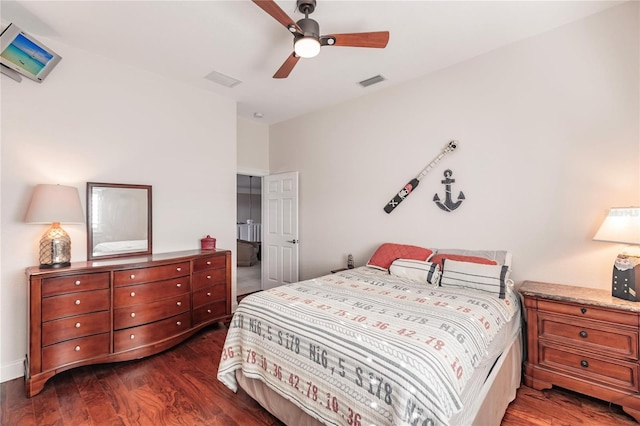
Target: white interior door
(279,229)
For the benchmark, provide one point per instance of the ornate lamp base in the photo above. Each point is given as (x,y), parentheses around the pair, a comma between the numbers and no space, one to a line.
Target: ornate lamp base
(55,248)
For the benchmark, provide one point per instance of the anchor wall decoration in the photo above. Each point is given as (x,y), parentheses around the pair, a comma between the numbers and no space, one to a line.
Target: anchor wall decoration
(449,204)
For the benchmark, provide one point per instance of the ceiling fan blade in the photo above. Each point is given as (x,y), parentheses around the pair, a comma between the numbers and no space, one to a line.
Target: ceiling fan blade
(277,13)
(378,39)
(287,66)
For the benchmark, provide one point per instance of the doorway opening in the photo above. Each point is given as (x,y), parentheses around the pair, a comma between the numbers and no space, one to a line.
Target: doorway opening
(249,238)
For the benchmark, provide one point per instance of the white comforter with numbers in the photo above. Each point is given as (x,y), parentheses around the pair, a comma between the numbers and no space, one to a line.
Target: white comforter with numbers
(362,347)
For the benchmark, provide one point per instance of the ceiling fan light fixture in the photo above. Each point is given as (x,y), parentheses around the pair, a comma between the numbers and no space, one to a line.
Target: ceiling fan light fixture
(306,47)
(307,38)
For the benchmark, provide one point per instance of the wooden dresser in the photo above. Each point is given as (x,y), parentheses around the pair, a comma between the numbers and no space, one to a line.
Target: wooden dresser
(122,309)
(584,340)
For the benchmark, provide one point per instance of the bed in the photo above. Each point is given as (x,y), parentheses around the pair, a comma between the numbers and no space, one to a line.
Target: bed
(409,340)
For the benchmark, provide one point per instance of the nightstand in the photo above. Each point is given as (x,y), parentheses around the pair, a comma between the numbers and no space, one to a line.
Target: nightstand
(582,339)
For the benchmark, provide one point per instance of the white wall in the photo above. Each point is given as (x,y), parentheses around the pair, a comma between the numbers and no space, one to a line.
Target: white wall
(549,140)
(97,120)
(253,148)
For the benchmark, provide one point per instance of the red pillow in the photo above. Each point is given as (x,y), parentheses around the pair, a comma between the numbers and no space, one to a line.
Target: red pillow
(388,252)
(438,258)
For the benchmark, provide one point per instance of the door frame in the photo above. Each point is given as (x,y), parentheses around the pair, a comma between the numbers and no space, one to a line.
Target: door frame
(234,275)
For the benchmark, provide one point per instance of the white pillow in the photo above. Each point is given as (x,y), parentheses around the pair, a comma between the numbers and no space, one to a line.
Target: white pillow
(489,278)
(416,270)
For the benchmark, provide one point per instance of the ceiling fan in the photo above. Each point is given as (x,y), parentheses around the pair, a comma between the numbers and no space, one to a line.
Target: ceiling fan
(306,34)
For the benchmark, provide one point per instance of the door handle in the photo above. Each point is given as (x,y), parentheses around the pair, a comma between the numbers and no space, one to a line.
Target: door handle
(294,241)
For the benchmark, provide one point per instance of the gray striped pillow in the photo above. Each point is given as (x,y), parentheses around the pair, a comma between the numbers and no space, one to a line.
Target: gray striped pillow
(489,278)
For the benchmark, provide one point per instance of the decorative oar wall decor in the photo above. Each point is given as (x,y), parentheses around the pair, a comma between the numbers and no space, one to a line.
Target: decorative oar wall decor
(413,183)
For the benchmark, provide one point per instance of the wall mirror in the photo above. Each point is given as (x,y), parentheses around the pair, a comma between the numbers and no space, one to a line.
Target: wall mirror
(118,220)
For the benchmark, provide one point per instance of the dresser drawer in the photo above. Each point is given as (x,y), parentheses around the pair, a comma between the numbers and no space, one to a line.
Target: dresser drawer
(150,333)
(213,262)
(208,278)
(592,335)
(208,295)
(73,283)
(209,312)
(74,327)
(589,312)
(149,312)
(585,366)
(74,304)
(150,292)
(155,273)
(74,350)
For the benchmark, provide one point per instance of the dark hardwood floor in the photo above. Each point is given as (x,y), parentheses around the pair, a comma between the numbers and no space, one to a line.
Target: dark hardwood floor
(179,387)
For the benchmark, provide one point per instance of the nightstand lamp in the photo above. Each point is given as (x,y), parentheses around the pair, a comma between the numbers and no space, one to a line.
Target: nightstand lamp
(622,225)
(55,204)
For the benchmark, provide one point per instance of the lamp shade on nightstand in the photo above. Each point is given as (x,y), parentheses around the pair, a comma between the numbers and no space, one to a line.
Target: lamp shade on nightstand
(622,225)
(55,204)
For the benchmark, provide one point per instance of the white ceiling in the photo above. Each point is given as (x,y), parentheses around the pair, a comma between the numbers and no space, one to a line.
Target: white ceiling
(186,40)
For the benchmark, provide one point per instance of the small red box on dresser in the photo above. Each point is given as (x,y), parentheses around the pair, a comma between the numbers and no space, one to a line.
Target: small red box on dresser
(208,243)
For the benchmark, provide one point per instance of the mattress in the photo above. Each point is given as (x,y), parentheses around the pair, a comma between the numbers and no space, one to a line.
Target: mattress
(363,346)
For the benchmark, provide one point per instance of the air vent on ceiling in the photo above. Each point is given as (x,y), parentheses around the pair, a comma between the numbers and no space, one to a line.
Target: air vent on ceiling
(373,80)
(220,78)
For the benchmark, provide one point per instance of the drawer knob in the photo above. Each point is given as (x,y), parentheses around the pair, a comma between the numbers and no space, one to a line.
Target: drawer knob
(179,303)
(133,294)
(77,301)
(583,310)
(77,348)
(179,323)
(133,336)
(178,269)
(77,282)
(208,311)
(208,262)
(132,276)
(208,294)
(133,314)
(584,363)
(178,285)
(77,325)
(208,277)
(583,334)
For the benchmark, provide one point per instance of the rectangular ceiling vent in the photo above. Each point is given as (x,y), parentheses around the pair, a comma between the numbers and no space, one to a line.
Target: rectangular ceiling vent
(373,80)
(222,79)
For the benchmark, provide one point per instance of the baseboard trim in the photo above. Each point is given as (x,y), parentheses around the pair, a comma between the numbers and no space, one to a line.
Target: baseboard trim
(12,370)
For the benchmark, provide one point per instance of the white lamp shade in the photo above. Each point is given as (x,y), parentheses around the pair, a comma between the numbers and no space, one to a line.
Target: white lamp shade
(622,225)
(55,203)
(307,47)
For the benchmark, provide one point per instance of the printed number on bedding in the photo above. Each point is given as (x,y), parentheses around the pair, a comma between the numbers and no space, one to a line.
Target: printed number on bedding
(376,385)
(289,341)
(227,353)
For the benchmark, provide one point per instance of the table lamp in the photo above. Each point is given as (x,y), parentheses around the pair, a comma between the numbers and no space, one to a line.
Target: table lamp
(622,225)
(55,204)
